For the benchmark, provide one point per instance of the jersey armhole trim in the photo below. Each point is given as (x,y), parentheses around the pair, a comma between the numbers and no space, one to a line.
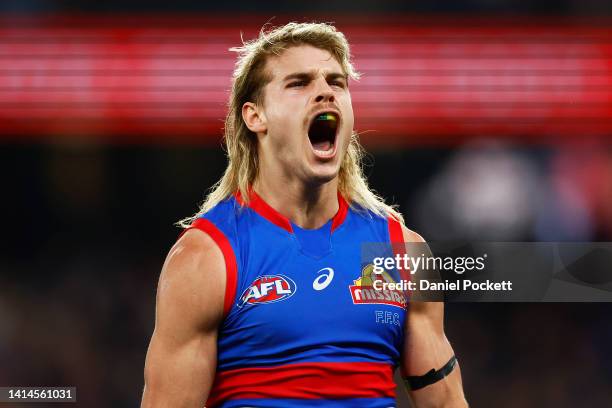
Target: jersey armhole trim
(231,267)
(396,235)
(397,242)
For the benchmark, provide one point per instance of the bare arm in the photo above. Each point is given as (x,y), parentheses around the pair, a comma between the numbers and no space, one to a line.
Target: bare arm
(182,356)
(427,347)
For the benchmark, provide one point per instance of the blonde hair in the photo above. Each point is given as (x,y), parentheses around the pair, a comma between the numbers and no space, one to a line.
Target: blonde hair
(249,79)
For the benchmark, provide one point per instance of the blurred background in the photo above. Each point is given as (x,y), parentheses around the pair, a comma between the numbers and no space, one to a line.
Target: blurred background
(485,120)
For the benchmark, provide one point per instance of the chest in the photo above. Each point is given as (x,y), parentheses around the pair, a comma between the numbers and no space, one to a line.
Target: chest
(288,296)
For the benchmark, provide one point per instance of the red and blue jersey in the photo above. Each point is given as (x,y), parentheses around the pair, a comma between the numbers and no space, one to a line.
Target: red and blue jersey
(303,325)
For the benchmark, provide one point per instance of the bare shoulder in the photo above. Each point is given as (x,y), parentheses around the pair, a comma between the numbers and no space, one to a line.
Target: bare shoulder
(411,236)
(195,257)
(191,251)
(192,281)
(433,310)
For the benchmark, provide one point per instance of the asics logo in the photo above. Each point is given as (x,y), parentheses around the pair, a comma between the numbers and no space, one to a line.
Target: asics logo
(324,279)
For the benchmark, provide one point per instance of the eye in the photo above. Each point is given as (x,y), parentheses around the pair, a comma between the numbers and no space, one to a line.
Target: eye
(296,84)
(337,83)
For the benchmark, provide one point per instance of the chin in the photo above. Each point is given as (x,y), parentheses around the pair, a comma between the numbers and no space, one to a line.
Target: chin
(323,176)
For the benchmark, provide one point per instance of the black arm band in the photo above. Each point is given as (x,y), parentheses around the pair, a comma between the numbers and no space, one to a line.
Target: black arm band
(417,382)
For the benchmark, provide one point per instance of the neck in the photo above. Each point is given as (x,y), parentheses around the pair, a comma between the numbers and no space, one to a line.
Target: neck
(308,207)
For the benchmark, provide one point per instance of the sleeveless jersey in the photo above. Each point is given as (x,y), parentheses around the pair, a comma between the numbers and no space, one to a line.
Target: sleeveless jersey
(303,325)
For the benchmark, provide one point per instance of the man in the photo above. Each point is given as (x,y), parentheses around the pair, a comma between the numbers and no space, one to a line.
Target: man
(261,301)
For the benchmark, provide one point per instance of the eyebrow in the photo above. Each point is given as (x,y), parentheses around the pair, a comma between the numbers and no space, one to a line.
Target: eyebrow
(310,75)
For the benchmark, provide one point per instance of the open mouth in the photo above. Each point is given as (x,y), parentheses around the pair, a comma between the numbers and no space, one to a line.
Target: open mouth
(322,133)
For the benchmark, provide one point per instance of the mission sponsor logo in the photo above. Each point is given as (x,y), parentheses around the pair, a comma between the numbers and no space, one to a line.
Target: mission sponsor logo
(363,291)
(268,289)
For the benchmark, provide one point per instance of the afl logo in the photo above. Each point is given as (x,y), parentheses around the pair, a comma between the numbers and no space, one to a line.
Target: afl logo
(268,289)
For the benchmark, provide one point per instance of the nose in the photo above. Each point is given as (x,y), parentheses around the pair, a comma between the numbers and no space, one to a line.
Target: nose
(324,92)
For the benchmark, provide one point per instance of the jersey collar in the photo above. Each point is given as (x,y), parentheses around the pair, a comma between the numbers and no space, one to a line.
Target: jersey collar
(257,204)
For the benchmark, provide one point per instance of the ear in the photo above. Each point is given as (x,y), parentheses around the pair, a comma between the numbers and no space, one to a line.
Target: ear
(254,118)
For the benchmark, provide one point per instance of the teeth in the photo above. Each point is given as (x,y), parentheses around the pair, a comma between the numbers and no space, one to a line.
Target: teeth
(326,153)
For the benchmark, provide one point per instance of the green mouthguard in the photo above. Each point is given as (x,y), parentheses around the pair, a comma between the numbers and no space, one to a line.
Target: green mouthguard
(326,116)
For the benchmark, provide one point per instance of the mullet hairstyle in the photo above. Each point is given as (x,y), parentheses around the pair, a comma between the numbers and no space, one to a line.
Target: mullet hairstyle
(249,79)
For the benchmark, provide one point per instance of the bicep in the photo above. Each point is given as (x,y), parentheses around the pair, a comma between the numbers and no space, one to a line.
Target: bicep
(181,360)
(426,347)
(179,375)
(425,344)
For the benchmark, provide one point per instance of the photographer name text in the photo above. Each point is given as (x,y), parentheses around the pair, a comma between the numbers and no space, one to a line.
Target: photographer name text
(446,285)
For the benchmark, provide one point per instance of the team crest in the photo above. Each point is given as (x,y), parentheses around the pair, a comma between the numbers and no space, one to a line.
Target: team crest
(363,291)
(268,289)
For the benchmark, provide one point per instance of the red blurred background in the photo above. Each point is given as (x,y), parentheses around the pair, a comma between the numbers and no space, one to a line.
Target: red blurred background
(426,79)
